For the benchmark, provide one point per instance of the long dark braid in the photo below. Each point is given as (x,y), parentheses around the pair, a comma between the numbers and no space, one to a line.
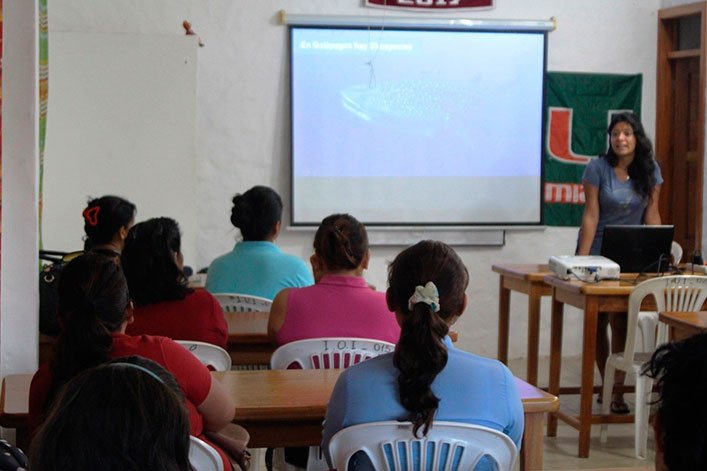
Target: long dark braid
(421,354)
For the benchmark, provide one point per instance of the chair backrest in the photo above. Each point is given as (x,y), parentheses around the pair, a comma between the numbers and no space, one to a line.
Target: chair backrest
(204,457)
(210,355)
(235,302)
(671,293)
(676,252)
(327,353)
(448,446)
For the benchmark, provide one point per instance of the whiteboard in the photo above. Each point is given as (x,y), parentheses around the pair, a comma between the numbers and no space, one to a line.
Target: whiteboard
(121,120)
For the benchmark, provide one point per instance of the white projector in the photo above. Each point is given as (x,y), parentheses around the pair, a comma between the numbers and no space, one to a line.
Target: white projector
(584,267)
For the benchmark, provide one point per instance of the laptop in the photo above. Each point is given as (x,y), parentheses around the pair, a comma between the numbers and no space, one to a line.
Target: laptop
(638,249)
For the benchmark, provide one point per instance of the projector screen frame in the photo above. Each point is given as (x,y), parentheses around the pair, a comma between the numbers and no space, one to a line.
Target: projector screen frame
(433,25)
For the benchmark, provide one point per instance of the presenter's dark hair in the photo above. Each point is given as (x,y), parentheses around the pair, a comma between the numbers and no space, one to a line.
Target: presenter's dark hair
(680,369)
(103,217)
(421,353)
(93,304)
(341,241)
(149,264)
(115,417)
(256,212)
(642,168)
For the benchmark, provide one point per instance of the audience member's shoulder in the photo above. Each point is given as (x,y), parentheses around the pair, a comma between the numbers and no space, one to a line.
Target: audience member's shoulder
(292,262)
(480,362)
(382,365)
(220,260)
(200,295)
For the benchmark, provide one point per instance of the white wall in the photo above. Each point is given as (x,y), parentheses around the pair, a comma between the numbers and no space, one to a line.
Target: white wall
(243,131)
(18,287)
(122,121)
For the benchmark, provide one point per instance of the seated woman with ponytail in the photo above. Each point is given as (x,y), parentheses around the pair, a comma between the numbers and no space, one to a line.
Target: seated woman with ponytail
(340,303)
(94,311)
(426,378)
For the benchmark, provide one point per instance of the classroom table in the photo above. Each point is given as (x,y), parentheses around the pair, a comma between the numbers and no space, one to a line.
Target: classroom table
(248,341)
(286,407)
(591,298)
(528,279)
(684,324)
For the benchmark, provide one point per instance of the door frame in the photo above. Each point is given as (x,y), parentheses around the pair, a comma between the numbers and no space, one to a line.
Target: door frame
(665,106)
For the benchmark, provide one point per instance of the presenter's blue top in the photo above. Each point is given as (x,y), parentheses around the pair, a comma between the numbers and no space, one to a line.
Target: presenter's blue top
(619,204)
(257,268)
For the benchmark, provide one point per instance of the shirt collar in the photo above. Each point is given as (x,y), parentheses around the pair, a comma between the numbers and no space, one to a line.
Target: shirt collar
(344,280)
(263,245)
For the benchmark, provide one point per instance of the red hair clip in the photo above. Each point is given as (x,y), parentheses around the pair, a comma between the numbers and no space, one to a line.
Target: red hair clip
(91,215)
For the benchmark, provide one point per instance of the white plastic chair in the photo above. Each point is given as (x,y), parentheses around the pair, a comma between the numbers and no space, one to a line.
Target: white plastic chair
(448,446)
(204,457)
(671,293)
(648,320)
(236,302)
(210,355)
(326,353)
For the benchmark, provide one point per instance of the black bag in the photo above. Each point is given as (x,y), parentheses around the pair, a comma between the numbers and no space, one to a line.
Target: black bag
(48,289)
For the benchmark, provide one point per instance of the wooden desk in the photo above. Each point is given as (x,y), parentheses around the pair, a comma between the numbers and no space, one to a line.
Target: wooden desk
(286,407)
(527,279)
(248,341)
(592,298)
(684,324)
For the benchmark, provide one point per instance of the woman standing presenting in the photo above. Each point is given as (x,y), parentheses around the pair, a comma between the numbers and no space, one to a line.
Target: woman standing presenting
(621,187)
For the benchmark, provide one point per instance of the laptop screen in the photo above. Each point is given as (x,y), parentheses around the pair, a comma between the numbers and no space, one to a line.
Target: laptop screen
(638,249)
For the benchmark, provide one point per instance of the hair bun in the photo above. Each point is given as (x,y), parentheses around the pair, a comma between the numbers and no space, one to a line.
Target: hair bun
(241,211)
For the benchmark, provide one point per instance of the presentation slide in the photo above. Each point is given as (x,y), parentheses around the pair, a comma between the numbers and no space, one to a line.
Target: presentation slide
(417,127)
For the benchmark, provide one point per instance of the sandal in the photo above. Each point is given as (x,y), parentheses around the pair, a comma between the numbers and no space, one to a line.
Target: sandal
(619,407)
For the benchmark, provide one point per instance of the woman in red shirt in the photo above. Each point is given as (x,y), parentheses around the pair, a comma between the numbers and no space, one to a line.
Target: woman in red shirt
(94,311)
(164,304)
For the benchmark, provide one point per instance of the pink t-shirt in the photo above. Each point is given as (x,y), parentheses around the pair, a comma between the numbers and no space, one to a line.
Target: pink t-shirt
(337,306)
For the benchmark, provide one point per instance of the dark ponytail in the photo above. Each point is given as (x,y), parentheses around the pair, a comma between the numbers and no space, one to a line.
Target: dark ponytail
(93,300)
(341,241)
(421,354)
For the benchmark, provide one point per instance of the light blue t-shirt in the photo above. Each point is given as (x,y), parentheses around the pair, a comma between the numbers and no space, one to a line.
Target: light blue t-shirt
(472,389)
(619,204)
(257,268)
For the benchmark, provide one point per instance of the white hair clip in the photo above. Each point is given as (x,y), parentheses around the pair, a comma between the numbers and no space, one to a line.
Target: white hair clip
(427,294)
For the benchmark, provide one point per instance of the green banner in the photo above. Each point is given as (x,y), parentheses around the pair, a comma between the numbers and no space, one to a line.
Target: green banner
(579,108)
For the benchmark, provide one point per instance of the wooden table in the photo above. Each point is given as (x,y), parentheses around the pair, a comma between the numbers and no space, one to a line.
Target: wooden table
(527,279)
(684,324)
(248,341)
(286,407)
(592,298)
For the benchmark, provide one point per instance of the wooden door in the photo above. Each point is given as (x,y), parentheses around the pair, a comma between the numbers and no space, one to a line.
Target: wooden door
(683,204)
(680,120)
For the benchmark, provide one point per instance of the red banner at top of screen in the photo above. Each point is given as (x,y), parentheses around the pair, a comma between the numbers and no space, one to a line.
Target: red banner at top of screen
(432,5)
